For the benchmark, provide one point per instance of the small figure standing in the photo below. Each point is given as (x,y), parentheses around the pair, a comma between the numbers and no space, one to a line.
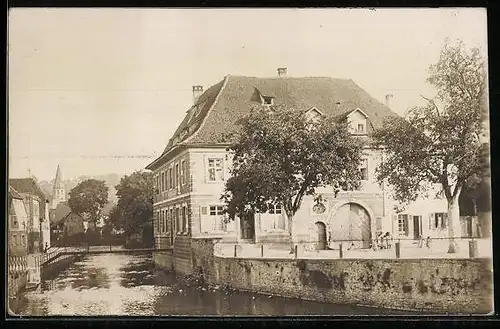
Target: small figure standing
(46,247)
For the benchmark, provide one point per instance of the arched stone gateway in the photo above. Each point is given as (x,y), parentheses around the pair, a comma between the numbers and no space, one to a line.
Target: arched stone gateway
(351,221)
(321,236)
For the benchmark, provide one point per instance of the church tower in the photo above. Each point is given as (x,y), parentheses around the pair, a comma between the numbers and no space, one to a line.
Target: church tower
(58,191)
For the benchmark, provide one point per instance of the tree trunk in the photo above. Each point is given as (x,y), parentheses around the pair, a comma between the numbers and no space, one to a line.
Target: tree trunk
(290,224)
(454,229)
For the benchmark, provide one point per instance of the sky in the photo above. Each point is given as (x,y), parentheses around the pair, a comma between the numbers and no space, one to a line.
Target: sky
(101,91)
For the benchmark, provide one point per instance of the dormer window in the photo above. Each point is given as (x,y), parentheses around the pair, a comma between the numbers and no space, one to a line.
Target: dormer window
(266,100)
(357,121)
(313,115)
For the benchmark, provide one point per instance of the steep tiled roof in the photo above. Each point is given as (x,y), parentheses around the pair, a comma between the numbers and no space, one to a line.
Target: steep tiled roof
(27,185)
(225,103)
(62,210)
(14,194)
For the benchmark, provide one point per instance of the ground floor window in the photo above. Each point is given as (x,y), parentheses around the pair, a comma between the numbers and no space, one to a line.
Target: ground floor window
(213,219)
(403,224)
(438,220)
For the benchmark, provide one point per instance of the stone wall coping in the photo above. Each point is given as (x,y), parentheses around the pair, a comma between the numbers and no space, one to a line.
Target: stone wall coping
(315,260)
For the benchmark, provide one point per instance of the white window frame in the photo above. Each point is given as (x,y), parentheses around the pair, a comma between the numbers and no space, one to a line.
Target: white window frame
(403,219)
(183,172)
(216,169)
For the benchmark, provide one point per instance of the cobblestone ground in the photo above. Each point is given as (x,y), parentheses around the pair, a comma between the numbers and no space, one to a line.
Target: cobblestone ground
(409,250)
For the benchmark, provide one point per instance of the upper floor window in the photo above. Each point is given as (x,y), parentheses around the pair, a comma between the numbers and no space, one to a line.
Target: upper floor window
(215,170)
(183,173)
(360,129)
(162,182)
(267,100)
(170,186)
(177,174)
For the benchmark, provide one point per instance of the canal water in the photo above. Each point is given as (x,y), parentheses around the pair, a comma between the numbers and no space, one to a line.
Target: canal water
(117,284)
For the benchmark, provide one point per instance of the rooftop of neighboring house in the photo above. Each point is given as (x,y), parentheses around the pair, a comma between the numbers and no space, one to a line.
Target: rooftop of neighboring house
(14,194)
(61,211)
(28,186)
(216,112)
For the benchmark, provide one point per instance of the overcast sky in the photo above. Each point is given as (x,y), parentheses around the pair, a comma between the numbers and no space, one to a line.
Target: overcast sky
(89,85)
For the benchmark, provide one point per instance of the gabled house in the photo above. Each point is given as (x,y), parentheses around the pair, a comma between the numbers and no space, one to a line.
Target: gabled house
(191,172)
(17,224)
(37,206)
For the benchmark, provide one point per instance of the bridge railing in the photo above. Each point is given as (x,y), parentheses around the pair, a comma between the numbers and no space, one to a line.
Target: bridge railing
(17,265)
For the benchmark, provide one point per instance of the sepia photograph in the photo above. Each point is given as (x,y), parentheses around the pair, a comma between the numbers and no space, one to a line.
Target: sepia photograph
(248,162)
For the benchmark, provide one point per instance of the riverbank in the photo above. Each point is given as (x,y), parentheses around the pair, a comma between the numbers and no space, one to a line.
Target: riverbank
(130,285)
(438,286)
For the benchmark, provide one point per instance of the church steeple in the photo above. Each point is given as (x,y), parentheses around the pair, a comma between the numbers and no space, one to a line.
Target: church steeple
(58,191)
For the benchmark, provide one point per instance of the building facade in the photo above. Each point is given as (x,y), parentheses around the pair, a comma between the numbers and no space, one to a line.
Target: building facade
(190,174)
(17,224)
(37,206)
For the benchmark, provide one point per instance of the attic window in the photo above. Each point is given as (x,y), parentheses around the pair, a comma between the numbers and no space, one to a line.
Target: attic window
(266,100)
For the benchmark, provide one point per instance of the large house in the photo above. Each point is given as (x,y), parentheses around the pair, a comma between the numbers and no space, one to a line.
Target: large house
(17,224)
(191,172)
(37,206)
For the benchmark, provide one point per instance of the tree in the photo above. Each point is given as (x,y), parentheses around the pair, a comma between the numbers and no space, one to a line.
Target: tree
(280,156)
(134,210)
(439,143)
(88,198)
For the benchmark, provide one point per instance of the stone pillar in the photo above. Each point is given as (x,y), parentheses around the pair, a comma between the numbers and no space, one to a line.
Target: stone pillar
(237,224)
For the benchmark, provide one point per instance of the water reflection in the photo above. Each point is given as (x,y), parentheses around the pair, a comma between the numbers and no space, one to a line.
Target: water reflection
(115,284)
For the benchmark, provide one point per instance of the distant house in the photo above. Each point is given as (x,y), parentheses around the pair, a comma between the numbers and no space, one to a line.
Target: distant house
(72,226)
(37,206)
(17,224)
(56,221)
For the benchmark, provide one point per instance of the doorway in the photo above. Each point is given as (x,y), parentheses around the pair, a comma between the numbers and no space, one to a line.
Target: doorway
(321,231)
(417,227)
(248,227)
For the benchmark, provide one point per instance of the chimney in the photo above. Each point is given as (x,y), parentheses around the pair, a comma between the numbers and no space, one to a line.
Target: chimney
(388,99)
(282,71)
(197,91)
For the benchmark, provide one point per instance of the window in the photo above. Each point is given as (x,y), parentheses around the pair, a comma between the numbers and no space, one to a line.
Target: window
(162,181)
(165,221)
(184,220)
(360,129)
(277,222)
(158,184)
(403,224)
(172,220)
(267,100)
(176,181)
(162,229)
(215,221)
(215,172)
(178,220)
(23,239)
(155,222)
(169,222)
(363,169)
(15,239)
(170,186)
(183,173)
(216,210)
(275,210)
(438,220)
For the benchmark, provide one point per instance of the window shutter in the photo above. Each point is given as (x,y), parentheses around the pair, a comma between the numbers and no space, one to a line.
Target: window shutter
(431,217)
(204,210)
(406,224)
